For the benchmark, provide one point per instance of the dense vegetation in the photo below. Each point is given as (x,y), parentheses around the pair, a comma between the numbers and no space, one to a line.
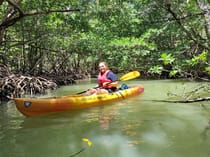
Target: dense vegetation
(162,38)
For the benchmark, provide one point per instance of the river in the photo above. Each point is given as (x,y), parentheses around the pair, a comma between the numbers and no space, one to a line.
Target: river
(135,127)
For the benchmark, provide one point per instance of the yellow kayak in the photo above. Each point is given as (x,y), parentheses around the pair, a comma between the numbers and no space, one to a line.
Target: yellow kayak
(40,106)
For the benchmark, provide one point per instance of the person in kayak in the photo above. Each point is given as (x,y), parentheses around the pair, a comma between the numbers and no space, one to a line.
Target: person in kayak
(107,81)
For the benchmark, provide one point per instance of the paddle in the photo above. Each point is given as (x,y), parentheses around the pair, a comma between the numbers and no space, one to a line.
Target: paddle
(129,76)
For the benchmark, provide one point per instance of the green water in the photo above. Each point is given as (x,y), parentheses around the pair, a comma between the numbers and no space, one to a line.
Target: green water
(135,127)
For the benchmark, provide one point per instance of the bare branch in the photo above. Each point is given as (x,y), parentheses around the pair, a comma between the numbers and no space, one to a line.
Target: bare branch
(16,7)
(188,32)
(12,21)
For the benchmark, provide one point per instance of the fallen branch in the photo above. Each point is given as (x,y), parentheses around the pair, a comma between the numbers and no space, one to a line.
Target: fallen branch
(183,101)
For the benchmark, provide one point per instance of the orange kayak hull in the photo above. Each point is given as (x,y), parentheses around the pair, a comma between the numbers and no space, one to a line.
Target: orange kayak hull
(40,106)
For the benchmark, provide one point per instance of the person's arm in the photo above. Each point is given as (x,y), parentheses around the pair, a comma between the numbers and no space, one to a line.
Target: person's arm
(111,76)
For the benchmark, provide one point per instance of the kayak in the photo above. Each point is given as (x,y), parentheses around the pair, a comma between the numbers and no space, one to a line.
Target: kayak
(40,106)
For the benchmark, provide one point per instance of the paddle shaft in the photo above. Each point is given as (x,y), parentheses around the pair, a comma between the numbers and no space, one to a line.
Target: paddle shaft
(98,87)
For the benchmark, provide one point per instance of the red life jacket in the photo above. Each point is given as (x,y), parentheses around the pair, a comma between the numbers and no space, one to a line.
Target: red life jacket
(102,78)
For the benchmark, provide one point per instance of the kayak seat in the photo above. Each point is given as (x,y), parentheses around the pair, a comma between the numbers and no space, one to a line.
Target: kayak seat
(123,86)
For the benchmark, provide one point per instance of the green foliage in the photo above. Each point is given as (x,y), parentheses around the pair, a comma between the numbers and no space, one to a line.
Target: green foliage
(167,58)
(134,34)
(132,42)
(173,73)
(207,69)
(156,70)
(199,59)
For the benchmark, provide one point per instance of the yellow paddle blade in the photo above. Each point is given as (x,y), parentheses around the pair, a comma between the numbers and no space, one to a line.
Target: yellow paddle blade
(130,75)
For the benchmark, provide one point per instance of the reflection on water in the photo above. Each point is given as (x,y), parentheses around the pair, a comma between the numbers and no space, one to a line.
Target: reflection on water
(133,127)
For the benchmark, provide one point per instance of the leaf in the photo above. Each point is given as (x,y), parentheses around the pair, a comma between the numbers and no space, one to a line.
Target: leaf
(207,69)
(156,69)
(173,73)
(167,58)
(89,143)
(201,58)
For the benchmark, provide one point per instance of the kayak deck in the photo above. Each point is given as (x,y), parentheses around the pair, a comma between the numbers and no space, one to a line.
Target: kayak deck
(38,106)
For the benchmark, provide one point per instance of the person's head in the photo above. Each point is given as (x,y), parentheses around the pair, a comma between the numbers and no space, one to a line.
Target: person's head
(102,66)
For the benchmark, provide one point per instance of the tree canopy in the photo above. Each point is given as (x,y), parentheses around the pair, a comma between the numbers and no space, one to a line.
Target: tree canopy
(161,38)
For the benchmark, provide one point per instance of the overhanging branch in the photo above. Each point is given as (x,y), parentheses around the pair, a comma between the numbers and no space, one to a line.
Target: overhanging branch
(190,33)
(12,21)
(16,7)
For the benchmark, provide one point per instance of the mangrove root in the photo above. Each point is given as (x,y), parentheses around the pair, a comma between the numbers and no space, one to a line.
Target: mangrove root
(18,85)
(4,71)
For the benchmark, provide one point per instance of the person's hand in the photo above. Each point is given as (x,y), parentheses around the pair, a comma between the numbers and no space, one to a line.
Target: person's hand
(105,84)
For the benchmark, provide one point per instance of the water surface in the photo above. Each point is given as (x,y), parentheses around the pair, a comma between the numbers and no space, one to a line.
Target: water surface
(136,127)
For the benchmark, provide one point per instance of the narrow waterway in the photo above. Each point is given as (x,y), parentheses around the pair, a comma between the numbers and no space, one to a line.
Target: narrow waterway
(136,127)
